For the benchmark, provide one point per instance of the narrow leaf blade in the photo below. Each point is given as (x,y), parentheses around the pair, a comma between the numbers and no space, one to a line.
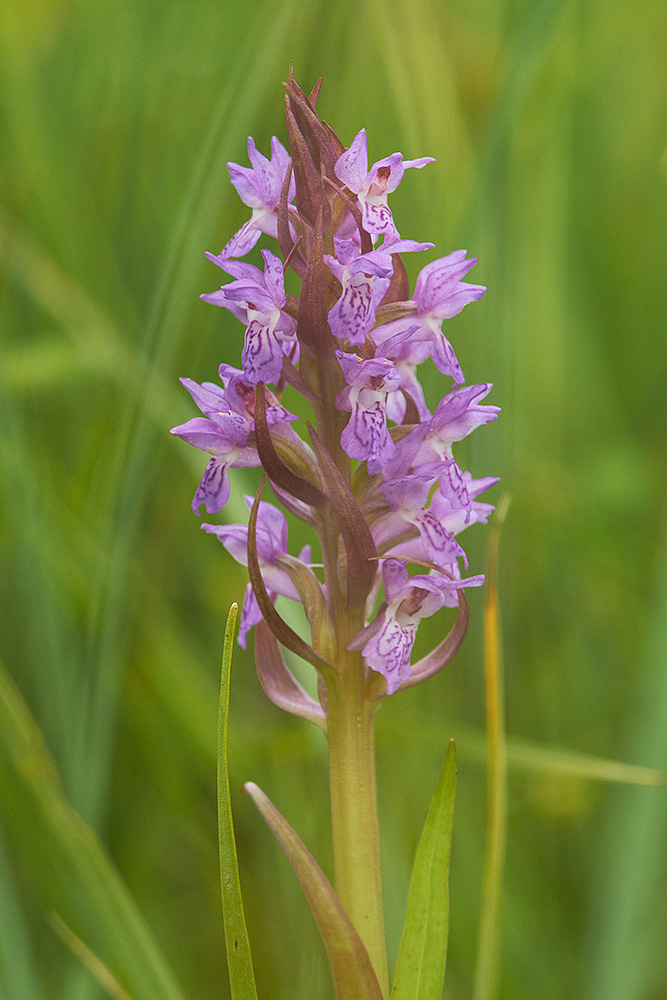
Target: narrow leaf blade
(420,970)
(239,959)
(351,967)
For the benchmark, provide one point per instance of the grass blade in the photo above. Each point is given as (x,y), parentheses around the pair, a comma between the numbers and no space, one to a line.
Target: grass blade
(67,862)
(420,970)
(239,959)
(106,980)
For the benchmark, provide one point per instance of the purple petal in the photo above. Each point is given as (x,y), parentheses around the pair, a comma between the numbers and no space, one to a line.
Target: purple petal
(366,437)
(243,240)
(234,537)
(342,401)
(274,278)
(250,294)
(219,298)
(459,412)
(247,187)
(250,615)
(444,358)
(437,280)
(280,162)
(201,433)
(378,374)
(395,576)
(264,175)
(207,396)
(421,161)
(410,492)
(214,489)
(440,546)
(377,263)
(388,652)
(272,523)
(351,365)
(352,166)
(353,315)
(461,297)
(262,356)
(238,269)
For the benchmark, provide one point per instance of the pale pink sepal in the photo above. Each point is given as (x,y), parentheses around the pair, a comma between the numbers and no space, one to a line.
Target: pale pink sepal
(280,686)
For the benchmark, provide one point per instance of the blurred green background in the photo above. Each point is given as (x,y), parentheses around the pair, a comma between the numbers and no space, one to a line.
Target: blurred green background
(549,124)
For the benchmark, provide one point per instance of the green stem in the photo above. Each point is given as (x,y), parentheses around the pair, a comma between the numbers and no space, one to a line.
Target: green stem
(354,821)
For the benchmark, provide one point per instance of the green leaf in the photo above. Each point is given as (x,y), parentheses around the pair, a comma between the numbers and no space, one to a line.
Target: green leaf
(420,970)
(239,959)
(351,967)
(66,861)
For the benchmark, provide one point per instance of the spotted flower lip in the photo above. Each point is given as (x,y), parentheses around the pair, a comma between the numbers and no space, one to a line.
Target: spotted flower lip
(386,644)
(225,437)
(407,499)
(353,315)
(224,431)
(453,518)
(366,436)
(257,299)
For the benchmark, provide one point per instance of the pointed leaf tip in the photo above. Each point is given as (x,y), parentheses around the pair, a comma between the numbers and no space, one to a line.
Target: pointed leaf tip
(351,967)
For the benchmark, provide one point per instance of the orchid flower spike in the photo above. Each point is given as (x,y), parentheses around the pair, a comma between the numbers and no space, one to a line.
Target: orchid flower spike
(373,474)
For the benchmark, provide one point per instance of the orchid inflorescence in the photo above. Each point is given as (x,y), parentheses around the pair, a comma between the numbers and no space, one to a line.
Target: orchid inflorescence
(377,480)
